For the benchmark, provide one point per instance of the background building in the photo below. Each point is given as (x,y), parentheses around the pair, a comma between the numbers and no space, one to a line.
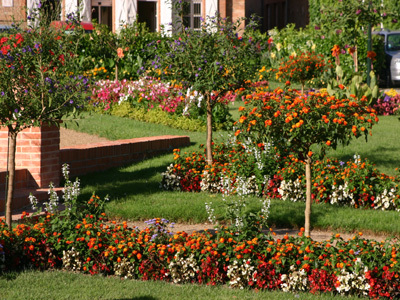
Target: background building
(158,13)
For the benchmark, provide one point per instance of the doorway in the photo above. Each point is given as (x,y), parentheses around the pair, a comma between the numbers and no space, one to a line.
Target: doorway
(147,13)
(102,12)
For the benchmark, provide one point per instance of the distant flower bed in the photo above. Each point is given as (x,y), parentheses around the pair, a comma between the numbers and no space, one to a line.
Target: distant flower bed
(389,105)
(152,94)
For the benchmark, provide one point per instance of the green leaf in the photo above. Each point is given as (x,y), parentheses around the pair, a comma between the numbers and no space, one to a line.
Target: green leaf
(339,71)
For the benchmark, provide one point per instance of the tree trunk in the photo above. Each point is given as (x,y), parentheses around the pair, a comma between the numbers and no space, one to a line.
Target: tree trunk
(11,174)
(308,197)
(355,60)
(209,130)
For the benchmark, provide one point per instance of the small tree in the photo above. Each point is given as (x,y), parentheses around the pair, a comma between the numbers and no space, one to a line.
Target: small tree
(37,85)
(294,122)
(302,68)
(212,61)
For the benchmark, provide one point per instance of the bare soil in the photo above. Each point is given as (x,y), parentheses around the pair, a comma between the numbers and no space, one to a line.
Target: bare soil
(70,137)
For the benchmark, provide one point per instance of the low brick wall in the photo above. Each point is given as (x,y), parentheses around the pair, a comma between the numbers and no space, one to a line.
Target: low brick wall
(38,151)
(85,159)
(39,159)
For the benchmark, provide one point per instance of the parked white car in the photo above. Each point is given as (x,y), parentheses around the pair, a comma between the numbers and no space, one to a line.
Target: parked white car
(390,74)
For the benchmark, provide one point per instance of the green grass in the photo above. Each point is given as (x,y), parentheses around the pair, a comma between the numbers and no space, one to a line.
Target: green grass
(135,193)
(382,148)
(62,285)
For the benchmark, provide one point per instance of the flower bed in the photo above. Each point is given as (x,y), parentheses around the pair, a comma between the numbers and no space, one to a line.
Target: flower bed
(146,95)
(354,183)
(354,267)
(389,105)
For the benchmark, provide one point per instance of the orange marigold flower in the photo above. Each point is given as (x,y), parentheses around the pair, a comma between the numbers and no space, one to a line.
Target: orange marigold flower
(328,143)
(335,50)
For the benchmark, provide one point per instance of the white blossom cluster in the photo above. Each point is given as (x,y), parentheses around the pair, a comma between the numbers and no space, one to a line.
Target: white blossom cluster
(51,206)
(192,97)
(265,206)
(240,273)
(170,181)
(246,186)
(71,260)
(209,185)
(71,191)
(341,195)
(211,213)
(354,282)
(125,268)
(291,190)
(183,270)
(385,201)
(296,280)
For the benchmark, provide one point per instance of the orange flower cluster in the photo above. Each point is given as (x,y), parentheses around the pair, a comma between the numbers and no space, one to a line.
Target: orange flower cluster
(314,118)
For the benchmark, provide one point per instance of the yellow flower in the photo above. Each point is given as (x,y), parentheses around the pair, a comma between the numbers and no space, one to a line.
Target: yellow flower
(279,46)
(273,56)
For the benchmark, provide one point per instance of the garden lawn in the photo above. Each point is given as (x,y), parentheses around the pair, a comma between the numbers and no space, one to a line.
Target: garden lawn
(135,194)
(64,285)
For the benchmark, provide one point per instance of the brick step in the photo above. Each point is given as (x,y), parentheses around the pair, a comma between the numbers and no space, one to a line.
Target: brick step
(21,179)
(21,200)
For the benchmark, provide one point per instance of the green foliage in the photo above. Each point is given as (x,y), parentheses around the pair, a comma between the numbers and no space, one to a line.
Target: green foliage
(35,82)
(157,116)
(213,60)
(131,49)
(357,87)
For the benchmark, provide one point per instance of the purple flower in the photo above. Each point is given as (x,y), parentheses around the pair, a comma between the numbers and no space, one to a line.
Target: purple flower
(16,110)
(317,28)
(341,163)
(358,11)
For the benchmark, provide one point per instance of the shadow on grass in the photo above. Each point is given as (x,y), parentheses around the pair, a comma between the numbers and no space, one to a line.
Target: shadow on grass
(291,216)
(381,156)
(123,181)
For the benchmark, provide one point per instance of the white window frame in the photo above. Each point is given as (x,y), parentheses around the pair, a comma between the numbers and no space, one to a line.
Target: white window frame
(192,16)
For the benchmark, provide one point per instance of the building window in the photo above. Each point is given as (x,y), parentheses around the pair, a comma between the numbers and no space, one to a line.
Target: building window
(51,10)
(192,14)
